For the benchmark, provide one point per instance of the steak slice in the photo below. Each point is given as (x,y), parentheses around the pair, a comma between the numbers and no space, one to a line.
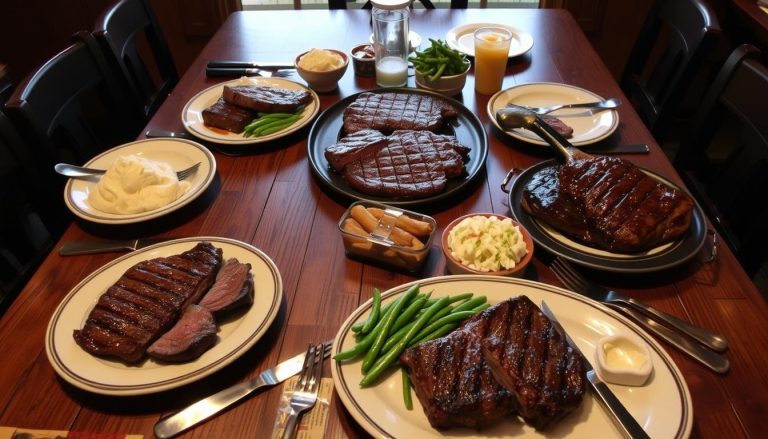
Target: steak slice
(146,301)
(454,382)
(531,358)
(227,116)
(414,164)
(353,147)
(558,125)
(620,207)
(232,289)
(193,334)
(388,112)
(265,98)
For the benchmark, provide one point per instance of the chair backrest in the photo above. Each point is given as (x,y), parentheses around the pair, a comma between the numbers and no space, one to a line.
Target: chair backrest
(724,160)
(73,107)
(129,31)
(671,47)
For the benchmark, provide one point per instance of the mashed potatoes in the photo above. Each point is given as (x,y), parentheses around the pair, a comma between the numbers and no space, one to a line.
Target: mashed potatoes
(321,60)
(487,243)
(134,184)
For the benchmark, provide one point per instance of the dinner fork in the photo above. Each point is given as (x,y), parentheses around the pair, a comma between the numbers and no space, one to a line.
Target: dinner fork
(79,171)
(599,105)
(305,390)
(575,281)
(572,280)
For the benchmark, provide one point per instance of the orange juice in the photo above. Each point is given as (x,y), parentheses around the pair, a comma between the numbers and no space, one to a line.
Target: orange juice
(491,54)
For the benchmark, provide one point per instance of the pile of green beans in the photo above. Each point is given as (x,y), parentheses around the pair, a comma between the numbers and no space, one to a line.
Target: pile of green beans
(408,320)
(268,123)
(439,60)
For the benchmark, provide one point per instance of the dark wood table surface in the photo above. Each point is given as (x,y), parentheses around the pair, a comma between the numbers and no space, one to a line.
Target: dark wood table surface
(270,199)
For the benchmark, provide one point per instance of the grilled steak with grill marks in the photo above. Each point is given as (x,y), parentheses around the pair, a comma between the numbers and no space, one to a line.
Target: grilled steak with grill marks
(267,99)
(531,358)
(353,147)
(146,301)
(227,116)
(388,112)
(607,202)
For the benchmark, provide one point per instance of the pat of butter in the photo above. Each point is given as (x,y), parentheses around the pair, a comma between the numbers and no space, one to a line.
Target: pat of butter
(623,360)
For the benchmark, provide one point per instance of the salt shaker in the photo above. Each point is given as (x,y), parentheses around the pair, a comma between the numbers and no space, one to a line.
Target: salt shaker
(390,41)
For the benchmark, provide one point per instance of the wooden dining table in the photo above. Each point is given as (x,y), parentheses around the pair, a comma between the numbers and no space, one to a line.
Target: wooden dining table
(266,195)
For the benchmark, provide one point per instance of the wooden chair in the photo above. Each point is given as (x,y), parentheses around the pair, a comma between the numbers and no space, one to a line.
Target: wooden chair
(671,47)
(131,34)
(724,160)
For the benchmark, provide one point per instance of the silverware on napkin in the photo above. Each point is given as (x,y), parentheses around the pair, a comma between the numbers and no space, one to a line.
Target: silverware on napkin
(619,414)
(89,247)
(205,408)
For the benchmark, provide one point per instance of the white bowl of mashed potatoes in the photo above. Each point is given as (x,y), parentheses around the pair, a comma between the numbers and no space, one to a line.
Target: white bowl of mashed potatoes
(486,243)
(322,68)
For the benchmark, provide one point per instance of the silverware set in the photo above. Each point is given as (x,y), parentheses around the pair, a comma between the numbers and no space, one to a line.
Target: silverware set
(244,68)
(74,171)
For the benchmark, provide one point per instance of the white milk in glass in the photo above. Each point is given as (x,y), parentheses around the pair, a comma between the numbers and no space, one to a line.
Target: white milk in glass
(391,71)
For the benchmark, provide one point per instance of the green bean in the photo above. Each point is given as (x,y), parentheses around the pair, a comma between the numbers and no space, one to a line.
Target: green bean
(445,329)
(407,399)
(357,327)
(381,337)
(373,318)
(282,123)
(382,363)
(471,303)
(450,318)
(363,344)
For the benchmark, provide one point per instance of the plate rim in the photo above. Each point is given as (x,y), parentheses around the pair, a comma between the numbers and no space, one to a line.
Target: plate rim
(182,201)
(619,265)
(525,37)
(243,80)
(257,333)
(685,423)
(492,117)
(318,163)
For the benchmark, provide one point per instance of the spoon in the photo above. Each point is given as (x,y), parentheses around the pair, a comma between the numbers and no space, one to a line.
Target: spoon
(515,116)
(607,104)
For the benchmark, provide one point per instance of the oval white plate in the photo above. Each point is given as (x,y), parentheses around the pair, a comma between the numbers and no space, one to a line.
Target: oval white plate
(588,126)
(462,38)
(192,114)
(100,375)
(179,153)
(662,406)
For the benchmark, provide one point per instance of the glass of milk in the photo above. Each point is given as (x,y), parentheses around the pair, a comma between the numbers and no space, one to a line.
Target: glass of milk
(390,41)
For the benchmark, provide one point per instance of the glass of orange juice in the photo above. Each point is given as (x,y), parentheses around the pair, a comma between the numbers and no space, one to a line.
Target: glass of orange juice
(491,54)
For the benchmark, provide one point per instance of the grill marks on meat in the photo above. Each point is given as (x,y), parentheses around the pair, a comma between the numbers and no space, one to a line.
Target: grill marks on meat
(413,164)
(387,112)
(227,116)
(530,357)
(233,288)
(265,98)
(353,147)
(507,358)
(608,203)
(146,301)
(193,334)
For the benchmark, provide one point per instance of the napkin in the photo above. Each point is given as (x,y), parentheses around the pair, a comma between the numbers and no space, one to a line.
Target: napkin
(24,433)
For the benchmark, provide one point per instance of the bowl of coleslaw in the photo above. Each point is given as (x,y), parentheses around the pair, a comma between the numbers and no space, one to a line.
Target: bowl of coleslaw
(486,243)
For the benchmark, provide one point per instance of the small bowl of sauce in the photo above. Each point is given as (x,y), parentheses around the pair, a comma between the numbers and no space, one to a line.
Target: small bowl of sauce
(623,360)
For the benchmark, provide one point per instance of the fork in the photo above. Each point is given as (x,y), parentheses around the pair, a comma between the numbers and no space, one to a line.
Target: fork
(79,171)
(250,71)
(572,279)
(305,391)
(600,105)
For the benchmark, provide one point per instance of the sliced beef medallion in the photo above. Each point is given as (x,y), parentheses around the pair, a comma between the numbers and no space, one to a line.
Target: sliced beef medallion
(388,112)
(561,127)
(353,147)
(193,334)
(265,98)
(146,301)
(227,116)
(233,288)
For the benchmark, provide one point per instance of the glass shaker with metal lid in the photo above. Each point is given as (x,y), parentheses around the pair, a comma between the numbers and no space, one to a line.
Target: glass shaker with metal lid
(390,41)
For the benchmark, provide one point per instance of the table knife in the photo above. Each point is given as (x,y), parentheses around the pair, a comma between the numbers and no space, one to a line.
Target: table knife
(266,65)
(620,149)
(619,414)
(240,71)
(206,408)
(89,247)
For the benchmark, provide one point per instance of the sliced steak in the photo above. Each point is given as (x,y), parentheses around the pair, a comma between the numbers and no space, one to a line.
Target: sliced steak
(265,98)
(146,301)
(233,288)
(559,126)
(453,381)
(227,116)
(607,202)
(193,334)
(388,112)
(531,358)
(414,164)
(353,147)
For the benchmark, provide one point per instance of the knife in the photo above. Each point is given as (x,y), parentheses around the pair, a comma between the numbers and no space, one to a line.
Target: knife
(205,408)
(253,65)
(619,414)
(240,71)
(89,247)
(620,149)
